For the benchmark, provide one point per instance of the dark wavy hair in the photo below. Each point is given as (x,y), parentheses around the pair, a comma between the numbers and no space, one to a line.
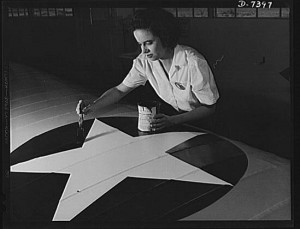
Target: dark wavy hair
(159,22)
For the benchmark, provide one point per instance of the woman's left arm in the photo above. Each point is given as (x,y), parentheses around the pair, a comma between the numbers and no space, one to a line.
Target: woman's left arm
(161,121)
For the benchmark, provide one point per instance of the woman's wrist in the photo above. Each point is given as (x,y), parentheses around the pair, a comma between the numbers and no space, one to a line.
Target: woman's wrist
(175,119)
(92,105)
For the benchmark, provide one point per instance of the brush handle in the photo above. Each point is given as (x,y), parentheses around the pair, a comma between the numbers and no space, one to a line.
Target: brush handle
(80,121)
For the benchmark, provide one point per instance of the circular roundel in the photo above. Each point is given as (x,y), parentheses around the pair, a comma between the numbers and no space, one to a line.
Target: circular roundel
(109,171)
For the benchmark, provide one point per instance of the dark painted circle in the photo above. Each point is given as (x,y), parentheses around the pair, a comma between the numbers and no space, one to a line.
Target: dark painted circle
(208,152)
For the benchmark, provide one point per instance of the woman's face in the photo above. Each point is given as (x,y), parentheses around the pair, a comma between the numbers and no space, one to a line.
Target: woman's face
(151,45)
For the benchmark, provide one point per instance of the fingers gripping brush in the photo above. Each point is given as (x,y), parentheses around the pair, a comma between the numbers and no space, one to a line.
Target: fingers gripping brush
(80,129)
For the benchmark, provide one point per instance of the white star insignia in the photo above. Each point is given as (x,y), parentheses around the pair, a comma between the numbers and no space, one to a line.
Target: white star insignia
(107,157)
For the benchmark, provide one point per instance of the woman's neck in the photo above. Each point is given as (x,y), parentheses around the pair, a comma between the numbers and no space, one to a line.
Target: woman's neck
(167,60)
(168,55)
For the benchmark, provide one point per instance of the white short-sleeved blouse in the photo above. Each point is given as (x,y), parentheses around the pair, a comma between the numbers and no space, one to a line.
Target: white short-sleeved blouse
(189,83)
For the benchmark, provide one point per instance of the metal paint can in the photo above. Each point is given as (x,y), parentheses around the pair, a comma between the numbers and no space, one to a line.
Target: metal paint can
(146,111)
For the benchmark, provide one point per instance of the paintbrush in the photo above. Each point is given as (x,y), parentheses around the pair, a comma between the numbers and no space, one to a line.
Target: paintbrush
(80,129)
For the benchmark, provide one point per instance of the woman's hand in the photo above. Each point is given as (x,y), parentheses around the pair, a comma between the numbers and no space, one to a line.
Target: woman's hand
(161,121)
(83,107)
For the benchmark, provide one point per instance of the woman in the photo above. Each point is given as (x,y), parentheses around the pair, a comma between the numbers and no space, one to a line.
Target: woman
(179,74)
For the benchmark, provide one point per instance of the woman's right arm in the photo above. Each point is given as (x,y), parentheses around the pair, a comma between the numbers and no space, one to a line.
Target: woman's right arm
(109,97)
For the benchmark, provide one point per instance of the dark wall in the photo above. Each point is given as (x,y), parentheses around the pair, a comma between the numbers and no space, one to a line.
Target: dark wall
(74,48)
(255,99)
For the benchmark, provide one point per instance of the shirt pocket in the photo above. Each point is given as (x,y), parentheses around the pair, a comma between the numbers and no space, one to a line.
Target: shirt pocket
(181,90)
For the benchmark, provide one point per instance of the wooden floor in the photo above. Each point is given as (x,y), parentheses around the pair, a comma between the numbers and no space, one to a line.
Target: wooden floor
(40,102)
